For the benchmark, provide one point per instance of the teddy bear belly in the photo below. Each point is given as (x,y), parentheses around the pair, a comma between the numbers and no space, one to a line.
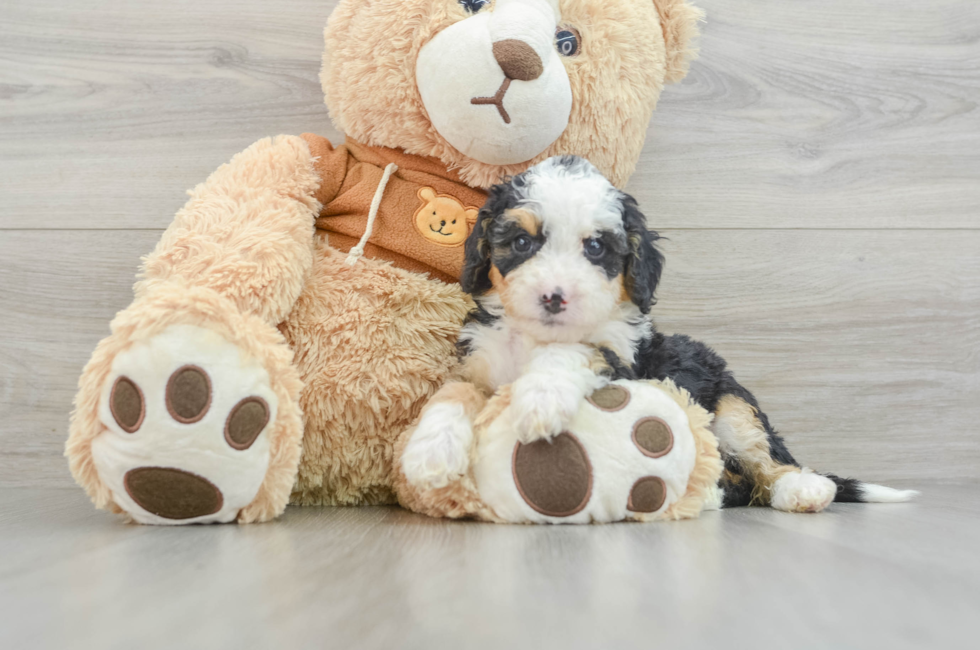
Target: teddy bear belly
(372,343)
(625,456)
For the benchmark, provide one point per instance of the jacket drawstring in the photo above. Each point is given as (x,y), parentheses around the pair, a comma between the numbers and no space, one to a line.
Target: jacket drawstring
(358,251)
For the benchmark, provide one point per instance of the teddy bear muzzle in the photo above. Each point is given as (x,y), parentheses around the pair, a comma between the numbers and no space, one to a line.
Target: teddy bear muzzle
(494,85)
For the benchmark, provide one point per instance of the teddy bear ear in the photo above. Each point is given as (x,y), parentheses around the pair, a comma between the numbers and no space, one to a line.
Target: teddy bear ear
(427,194)
(679,21)
(471,215)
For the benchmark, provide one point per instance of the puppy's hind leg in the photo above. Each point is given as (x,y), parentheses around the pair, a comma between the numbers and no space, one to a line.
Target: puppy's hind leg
(762,460)
(438,450)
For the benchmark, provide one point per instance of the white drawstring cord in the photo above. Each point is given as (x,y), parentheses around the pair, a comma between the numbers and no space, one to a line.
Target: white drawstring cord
(358,251)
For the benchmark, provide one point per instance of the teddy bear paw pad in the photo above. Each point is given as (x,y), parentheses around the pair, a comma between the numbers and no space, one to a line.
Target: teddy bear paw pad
(184,416)
(647,495)
(553,476)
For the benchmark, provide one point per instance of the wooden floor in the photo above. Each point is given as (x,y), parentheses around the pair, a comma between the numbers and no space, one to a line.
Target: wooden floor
(856,576)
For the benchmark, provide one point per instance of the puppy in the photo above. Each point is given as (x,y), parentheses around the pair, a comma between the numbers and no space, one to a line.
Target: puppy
(563,270)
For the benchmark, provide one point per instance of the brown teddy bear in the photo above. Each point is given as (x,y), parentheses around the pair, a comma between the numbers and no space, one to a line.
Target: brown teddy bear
(299,311)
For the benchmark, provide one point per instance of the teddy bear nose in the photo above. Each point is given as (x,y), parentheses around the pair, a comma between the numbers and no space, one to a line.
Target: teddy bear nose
(518,60)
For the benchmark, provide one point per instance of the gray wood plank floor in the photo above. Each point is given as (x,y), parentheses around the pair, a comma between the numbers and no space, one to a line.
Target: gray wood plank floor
(856,576)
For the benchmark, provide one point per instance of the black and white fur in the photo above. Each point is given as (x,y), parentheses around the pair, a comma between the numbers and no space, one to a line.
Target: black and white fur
(564,271)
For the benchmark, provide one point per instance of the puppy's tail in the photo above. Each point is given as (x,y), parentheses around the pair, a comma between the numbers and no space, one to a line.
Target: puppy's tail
(851,490)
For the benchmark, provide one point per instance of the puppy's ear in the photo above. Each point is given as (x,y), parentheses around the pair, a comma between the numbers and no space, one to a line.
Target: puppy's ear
(644,261)
(475,278)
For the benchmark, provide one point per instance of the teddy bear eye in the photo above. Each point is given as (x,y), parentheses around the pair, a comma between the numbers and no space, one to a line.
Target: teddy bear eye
(474,6)
(568,41)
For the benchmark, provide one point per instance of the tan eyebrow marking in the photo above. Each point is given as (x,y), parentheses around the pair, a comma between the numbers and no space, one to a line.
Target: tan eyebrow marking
(525,218)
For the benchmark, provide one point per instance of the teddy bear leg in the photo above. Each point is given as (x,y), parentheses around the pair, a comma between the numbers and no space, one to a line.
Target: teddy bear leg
(188,412)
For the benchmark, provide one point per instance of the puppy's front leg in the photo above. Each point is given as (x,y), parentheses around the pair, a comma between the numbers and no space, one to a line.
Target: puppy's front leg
(438,451)
(548,395)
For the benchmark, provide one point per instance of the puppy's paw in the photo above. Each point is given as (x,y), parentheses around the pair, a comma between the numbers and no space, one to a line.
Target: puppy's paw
(439,449)
(803,491)
(543,410)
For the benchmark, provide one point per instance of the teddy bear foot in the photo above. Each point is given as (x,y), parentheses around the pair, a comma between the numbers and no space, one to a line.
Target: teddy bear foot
(184,415)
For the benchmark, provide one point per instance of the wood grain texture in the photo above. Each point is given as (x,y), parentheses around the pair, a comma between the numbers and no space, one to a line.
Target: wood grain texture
(862,346)
(856,576)
(798,114)
(830,114)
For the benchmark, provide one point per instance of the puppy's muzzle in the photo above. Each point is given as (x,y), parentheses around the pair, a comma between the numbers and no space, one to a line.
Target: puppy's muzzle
(555,303)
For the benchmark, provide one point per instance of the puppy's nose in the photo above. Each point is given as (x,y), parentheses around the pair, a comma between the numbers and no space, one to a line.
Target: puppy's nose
(554,303)
(518,60)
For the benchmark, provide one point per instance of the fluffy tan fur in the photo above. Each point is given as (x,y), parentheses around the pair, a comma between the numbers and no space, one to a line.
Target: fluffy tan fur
(209,274)
(373,344)
(262,263)
(679,21)
(635,48)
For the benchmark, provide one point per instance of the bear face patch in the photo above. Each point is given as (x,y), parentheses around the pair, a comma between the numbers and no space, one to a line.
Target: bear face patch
(442,219)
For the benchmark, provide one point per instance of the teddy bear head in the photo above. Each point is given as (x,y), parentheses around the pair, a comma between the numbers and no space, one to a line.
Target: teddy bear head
(491,87)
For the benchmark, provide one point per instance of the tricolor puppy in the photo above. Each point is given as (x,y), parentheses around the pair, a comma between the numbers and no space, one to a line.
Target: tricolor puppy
(563,270)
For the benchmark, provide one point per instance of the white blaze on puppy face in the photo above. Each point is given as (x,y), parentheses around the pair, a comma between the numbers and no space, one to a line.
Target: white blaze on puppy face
(494,85)
(556,292)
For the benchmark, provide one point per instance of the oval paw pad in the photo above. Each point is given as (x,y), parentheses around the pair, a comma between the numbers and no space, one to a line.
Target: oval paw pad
(653,437)
(173,493)
(246,421)
(553,476)
(610,398)
(127,405)
(648,495)
(188,394)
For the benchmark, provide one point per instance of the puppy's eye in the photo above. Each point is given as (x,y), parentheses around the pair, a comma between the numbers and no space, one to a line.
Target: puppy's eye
(568,41)
(522,244)
(474,6)
(594,247)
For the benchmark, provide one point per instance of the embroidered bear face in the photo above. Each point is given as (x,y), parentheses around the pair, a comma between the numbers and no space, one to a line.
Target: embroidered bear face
(442,219)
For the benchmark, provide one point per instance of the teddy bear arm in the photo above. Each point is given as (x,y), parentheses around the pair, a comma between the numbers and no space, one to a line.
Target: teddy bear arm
(247,231)
(225,273)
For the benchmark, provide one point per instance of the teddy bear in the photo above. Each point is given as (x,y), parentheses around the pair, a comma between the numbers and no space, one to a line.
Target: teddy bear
(299,311)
